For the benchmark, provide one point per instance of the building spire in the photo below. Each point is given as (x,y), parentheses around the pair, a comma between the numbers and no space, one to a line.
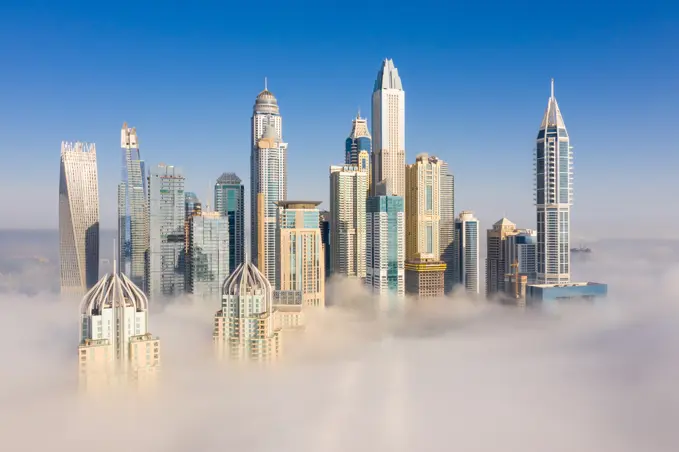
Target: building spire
(552,96)
(358,115)
(265,85)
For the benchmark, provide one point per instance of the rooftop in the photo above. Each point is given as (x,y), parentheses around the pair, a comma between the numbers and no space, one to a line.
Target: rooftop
(298,204)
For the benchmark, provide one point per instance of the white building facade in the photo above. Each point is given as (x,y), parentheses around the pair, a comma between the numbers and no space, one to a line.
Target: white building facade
(78,218)
(388,130)
(116,347)
(348,195)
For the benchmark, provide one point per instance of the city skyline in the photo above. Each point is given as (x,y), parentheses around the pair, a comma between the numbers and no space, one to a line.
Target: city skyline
(499,75)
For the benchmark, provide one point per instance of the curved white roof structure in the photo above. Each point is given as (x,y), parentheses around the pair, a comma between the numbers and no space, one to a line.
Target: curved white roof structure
(113,289)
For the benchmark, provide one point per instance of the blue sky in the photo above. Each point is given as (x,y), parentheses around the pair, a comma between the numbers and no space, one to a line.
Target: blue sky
(476,81)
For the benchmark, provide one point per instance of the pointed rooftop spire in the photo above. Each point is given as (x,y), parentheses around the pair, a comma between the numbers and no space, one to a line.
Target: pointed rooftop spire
(358,115)
(265,84)
(552,96)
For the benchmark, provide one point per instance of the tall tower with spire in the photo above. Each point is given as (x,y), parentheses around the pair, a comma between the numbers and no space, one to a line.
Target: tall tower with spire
(388,124)
(268,180)
(359,140)
(553,196)
(132,209)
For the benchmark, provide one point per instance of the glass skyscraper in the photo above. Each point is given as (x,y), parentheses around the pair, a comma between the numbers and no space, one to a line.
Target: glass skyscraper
(165,267)
(229,202)
(132,209)
(447,224)
(553,196)
(466,245)
(385,244)
(208,254)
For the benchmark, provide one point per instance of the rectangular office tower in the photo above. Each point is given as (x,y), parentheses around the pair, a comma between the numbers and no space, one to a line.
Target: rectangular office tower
(78,218)
(447,225)
(132,209)
(348,194)
(467,252)
(423,269)
(165,266)
(207,257)
(385,244)
(324,224)
(510,252)
(300,262)
(230,202)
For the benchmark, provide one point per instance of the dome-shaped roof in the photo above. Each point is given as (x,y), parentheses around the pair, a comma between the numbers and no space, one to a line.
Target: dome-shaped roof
(266,97)
(246,278)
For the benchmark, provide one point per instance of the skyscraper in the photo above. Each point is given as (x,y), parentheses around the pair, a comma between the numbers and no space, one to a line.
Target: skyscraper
(300,262)
(78,217)
(348,194)
(116,347)
(553,196)
(359,140)
(424,272)
(466,245)
(521,248)
(388,130)
(447,224)
(268,171)
(166,232)
(423,207)
(497,265)
(207,259)
(385,244)
(230,202)
(325,239)
(244,326)
(132,209)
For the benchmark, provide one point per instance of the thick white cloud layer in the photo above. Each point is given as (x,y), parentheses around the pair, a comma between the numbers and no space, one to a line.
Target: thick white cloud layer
(454,376)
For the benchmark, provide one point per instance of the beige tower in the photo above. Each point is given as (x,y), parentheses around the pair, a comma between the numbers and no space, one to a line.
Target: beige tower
(424,272)
(496,265)
(300,260)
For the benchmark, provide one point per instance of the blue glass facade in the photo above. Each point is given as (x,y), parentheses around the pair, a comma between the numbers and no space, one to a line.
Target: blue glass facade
(353,146)
(230,202)
(385,275)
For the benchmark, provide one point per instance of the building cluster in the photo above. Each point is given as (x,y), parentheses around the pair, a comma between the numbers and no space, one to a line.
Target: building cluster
(390,225)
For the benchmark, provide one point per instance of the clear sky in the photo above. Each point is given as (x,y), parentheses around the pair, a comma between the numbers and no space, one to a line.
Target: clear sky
(476,81)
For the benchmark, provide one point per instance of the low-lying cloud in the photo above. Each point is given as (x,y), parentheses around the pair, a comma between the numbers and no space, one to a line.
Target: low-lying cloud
(452,375)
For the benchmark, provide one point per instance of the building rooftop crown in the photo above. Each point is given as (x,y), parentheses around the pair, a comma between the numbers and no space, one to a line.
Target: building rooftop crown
(387,77)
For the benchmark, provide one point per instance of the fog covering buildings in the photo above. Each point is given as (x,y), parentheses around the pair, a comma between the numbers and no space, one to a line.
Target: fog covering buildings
(116,347)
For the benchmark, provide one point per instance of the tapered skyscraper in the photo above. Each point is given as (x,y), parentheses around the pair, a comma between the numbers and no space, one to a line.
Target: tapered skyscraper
(388,130)
(553,196)
(132,209)
(268,176)
(78,217)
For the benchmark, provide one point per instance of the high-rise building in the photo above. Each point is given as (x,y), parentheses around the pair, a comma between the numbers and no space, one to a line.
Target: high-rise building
(447,224)
(167,215)
(348,194)
(466,245)
(424,272)
(268,172)
(116,347)
(359,140)
(553,196)
(423,207)
(132,209)
(230,202)
(325,239)
(245,325)
(521,249)
(300,261)
(388,130)
(497,265)
(78,218)
(207,259)
(385,244)
(191,200)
